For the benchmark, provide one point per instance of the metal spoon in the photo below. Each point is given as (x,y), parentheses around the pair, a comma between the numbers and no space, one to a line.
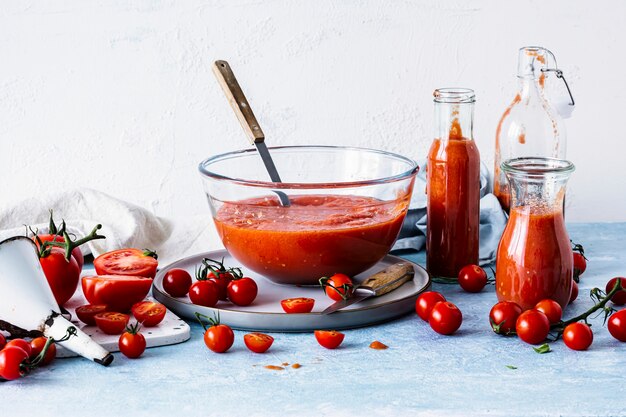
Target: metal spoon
(243,111)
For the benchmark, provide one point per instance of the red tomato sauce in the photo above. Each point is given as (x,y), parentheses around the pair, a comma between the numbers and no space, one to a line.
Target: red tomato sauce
(534,259)
(315,236)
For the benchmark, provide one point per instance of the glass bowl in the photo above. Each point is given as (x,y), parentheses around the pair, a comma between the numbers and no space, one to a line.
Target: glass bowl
(346,209)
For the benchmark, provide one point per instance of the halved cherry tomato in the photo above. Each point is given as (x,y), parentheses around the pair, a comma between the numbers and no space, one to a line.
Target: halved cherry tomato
(11,359)
(132,343)
(37,345)
(425,303)
(258,342)
(337,287)
(551,309)
(242,291)
(297,305)
(445,318)
(117,292)
(219,338)
(617,325)
(619,299)
(330,339)
(133,262)
(87,312)
(503,316)
(177,282)
(204,293)
(472,278)
(111,322)
(22,344)
(578,336)
(149,313)
(532,326)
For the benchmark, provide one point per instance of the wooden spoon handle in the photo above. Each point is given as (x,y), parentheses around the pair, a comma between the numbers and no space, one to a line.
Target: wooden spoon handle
(238,101)
(390,278)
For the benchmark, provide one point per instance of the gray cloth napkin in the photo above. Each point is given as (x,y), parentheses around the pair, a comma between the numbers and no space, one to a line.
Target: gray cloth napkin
(492,218)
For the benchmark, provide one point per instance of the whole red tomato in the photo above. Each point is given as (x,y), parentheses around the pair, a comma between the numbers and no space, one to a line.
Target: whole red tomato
(11,360)
(133,262)
(578,336)
(551,309)
(242,291)
(330,339)
(425,303)
(574,294)
(219,337)
(204,293)
(62,275)
(472,278)
(503,316)
(445,318)
(132,343)
(222,279)
(22,344)
(177,282)
(3,341)
(619,299)
(532,326)
(617,325)
(258,342)
(77,253)
(337,287)
(37,345)
(580,264)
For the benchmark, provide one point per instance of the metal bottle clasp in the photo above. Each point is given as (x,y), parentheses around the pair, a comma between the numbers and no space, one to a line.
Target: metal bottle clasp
(559,74)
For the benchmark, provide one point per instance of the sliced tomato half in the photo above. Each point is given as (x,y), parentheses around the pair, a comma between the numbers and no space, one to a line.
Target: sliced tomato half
(134,262)
(87,312)
(297,305)
(117,292)
(149,313)
(111,322)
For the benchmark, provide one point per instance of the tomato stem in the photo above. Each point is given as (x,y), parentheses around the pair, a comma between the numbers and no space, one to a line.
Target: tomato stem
(69,245)
(151,253)
(347,288)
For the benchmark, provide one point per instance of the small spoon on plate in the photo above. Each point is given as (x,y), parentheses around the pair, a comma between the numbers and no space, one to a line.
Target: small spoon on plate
(243,111)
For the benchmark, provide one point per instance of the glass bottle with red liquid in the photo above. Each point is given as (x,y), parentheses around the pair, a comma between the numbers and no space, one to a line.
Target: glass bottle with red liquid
(534,260)
(453,186)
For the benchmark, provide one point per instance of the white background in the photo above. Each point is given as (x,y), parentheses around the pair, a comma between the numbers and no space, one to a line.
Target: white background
(119,95)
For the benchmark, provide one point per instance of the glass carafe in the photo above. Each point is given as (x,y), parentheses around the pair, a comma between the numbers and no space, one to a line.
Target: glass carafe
(453,186)
(529,126)
(534,260)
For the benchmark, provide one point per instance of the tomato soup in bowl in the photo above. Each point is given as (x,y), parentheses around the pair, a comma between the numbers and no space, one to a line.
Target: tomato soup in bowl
(346,208)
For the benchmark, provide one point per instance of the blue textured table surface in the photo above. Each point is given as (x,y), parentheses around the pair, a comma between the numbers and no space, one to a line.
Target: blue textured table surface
(422,373)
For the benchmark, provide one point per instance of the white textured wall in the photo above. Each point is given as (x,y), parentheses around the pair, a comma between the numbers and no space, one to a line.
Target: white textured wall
(119,95)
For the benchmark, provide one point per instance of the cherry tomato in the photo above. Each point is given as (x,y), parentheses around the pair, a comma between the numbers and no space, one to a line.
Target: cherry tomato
(177,282)
(619,299)
(242,291)
(3,341)
(111,322)
(330,339)
(258,342)
(11,359)
(22,344)
(472,278)
(219,338)
(77,253)
(204,293)
(62,275)
(297,305)
(551,309)
(580,264)
(503,316)
(425,303)
(223,279)
(532,326)
(117,292)
(445,318)
(337,287)
(87,312)
(574,294)
(132,343)
(577,336)
(149,313)
(133,262)
(617,325)
(37,345)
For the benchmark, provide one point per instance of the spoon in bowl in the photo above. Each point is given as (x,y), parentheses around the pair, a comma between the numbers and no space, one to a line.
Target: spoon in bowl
(243,111)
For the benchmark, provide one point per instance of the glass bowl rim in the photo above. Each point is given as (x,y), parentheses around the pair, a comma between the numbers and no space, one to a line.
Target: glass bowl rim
(411,172)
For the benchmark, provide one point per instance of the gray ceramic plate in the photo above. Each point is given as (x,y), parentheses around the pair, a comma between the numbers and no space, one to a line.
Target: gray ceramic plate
(266,314)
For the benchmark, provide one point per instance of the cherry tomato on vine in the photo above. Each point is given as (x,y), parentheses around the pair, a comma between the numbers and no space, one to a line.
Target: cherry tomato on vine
(3,341)
(11,359)
(258,342)
(619,299)
(148,313)
(204,293)
(37,345)
(111,322)
(219,337)
(297,305)
(330,339)
(242,291)
(22,344)
(580,264)
(62,275)
(503,316)
(425,303)
(86,313)
(617,325)
(532,326)
(577,336)
(132,343)
(551,309)
(223,279)
(574,294)
(472,278)
(134,262)
(177,282)
(445,318)
(337,287)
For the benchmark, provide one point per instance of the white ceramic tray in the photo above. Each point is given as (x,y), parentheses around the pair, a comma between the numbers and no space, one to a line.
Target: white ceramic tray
(266,314)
